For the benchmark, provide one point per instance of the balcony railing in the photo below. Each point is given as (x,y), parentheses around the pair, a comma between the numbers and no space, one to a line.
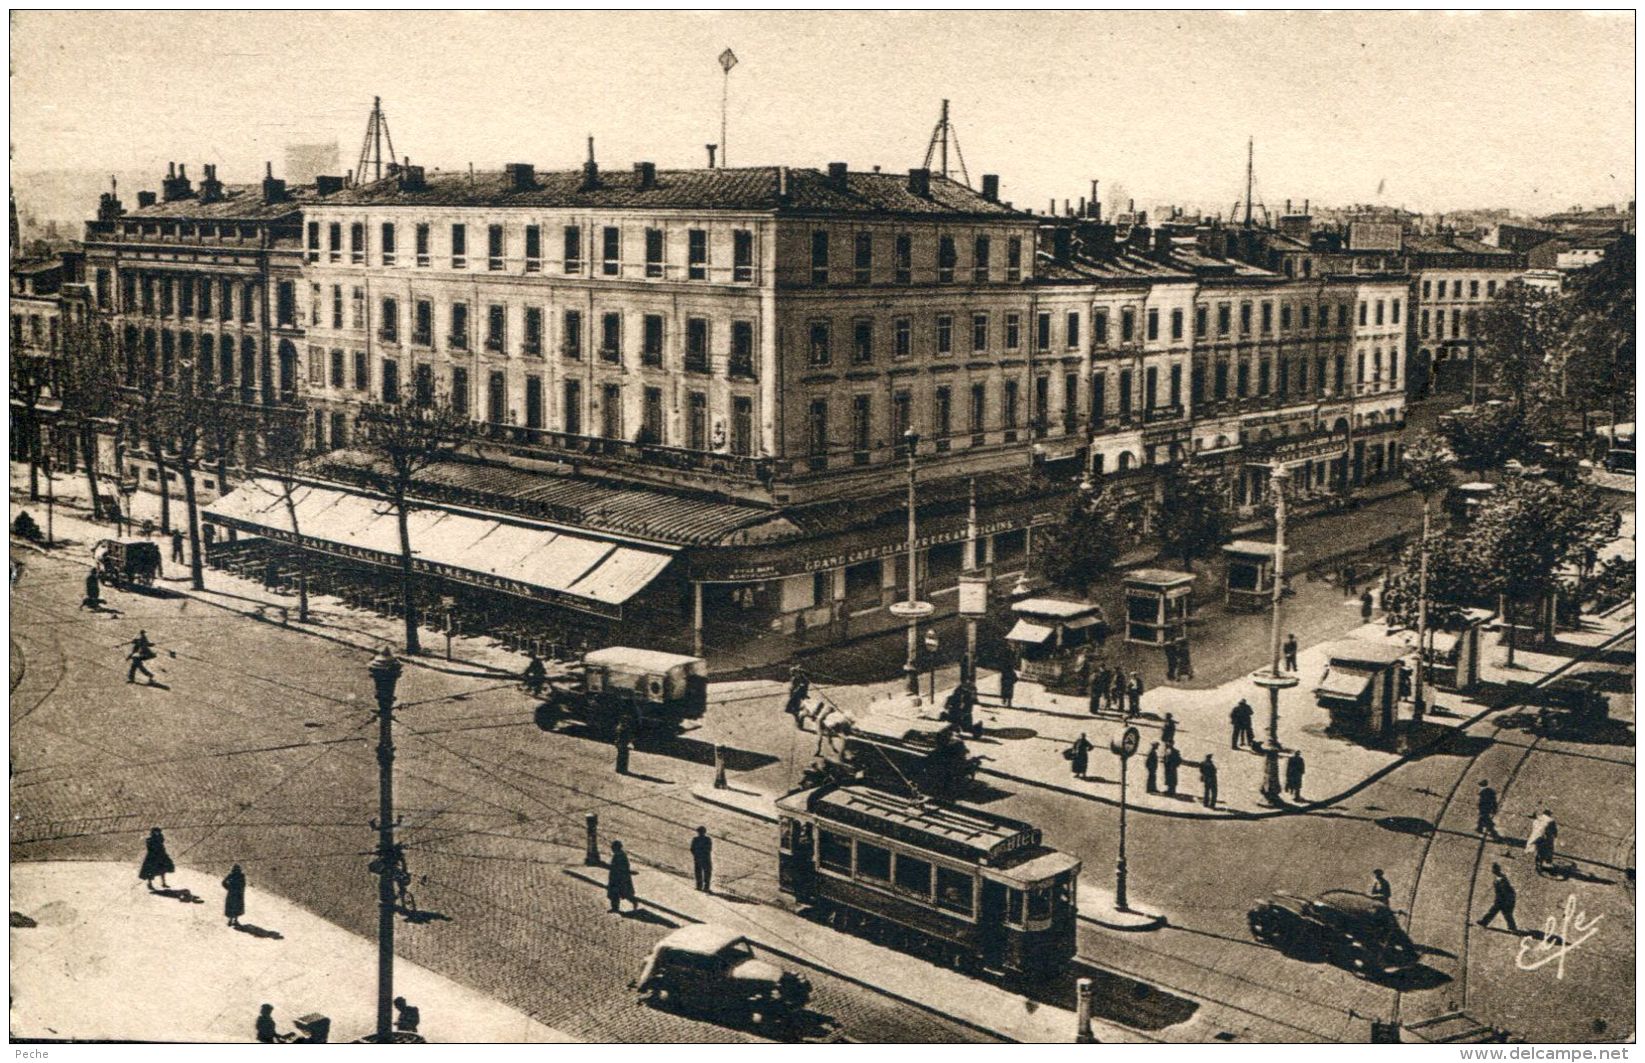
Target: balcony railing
(622,450)
(1162,413)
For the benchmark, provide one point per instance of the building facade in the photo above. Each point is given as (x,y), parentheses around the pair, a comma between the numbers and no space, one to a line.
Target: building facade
(1453,279)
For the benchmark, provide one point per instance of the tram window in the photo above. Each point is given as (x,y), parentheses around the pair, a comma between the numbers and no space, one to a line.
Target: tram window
(834,851)
(1013,906)
(873,862)
(787,842)
(1039,903)
(1065,892)
(914,875)
(954,890)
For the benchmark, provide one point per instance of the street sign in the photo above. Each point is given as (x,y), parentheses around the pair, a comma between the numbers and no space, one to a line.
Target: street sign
(1126,744)
(973,594)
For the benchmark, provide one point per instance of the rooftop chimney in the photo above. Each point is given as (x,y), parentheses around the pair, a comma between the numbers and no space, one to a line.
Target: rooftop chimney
(1062,244)
(146,199)
(647,174)
(712,148)
(782,182)
(211,189)
(1131,206)
(412,178)
(837,175)
(522,176)
(1096,204)
(328,185)
(1082,206)
(108,204)
(591,170)
(273,191)
(991,187)
(919,182)
(175,185)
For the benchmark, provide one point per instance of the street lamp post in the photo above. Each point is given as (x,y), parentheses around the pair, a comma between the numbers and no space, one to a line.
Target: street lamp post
(931,648)
(1124,747)
(1274,680)
(385,674)
(1422,618)
(913,609)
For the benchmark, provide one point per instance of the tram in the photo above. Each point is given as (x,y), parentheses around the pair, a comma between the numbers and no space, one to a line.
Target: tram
(894,746)
(961,885)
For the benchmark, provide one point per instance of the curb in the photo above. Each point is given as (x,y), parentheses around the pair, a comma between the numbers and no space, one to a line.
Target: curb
(581,875)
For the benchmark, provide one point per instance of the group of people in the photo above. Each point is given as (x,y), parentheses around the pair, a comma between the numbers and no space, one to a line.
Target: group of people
(157,864)
(1111,690)
(1178,663)
(619,882)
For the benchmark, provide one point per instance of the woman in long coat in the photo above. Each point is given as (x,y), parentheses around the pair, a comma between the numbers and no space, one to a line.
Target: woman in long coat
(156,862)
(619,885)
(234,900)
(1079,755)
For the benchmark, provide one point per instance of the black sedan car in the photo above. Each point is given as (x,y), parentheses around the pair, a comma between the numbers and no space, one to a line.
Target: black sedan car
(1351,930)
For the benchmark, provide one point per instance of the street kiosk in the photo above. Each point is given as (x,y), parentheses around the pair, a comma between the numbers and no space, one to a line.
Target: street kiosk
(1158,602)
(1455,662)
(1361,687)
(1053,637)
(1250,574)
(1462,501)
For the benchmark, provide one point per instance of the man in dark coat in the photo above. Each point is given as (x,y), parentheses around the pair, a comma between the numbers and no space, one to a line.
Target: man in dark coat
(619,883)
(1008,683)
(1294,767)
(1290,653)
(1151,763)
(141,652)
(702,859)
(1503,900)
(177,545)
(1133,690)
(1365,606)
(234,897)
(267,1032)
(1208,781)
(1097,689)
(1236,726)
(1170,662)
(1487,811)
(622,739)
(94,592)
(156,861)
(1185,663)
(1168,731)
(535,675)
(408,1016)
(1173,761)
(1079,755)
(1117,692)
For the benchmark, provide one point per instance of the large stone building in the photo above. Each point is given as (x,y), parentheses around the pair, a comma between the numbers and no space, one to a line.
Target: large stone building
(692,387)
(1453,278)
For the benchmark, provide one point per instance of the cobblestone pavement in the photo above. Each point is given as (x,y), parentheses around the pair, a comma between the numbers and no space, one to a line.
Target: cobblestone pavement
(256,748)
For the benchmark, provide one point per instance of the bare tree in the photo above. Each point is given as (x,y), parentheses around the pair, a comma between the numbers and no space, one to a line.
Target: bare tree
(284,453)
(30,375)
(89,389)
(399,441)
(186,418)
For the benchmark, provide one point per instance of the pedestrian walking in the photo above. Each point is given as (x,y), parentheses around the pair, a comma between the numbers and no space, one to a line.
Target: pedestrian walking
(1078,755)
(1294,767)
(234,897)
(1208,782)
(1150,764)
(1117,690)
(1544,832)
(535,675)
(1239,719)
(1170,662)
(1168,731)
(266,1032)
(1365,606)
(1083,676)
(702,859)
(94,591)
(1487,811)
(1503,899)
(1173,762)
(408,1017)
(1291,653)
(619,883)
(622,740)
(177,545)
(156,861)
(1380,890)
(1133,690)
(141,652)
(1008,683)
(1096,691)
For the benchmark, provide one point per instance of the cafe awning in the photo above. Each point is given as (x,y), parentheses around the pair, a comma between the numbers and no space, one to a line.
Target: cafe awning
(531,561)
(1033,634)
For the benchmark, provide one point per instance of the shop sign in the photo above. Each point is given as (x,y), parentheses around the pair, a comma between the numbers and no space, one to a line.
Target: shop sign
(973,594)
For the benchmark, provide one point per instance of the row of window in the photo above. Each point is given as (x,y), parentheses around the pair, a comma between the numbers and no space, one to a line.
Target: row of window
(863,252)
(1432,289)
(164,357)
(1267,381)
(167,295)
(37,334)
(1302,315)
(1459,320)
(897,871)
(605,247)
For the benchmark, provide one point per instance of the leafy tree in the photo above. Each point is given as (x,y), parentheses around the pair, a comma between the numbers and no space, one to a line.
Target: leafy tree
(30,378)
(1086,545)
(1520,334)
(399,441)
(1426,466)
(1486,437)
(1456,581)
(1193,518)
(1597,366)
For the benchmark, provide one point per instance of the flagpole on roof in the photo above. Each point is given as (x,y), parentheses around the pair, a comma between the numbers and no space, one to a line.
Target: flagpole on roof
(728,59)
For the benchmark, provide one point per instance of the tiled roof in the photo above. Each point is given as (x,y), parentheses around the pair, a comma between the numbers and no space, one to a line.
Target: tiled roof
(1450,245)
(239,203)
(36,265)
(748,189)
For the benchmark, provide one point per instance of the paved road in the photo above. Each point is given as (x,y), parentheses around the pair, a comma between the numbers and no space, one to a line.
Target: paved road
(258,749)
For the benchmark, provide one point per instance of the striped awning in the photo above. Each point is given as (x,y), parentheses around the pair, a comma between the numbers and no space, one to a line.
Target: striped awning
(531,561)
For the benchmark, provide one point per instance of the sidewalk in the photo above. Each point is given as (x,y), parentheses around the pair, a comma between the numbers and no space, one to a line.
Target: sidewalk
(107,960)
(976,1003)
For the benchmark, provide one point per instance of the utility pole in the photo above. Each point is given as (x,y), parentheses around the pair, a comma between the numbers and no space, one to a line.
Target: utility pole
(971,566)
(385,674)
(1250,176)
(728,59)
(912,610)
(1273,679)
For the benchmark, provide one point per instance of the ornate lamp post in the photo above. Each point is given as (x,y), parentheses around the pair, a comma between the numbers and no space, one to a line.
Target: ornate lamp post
(1273,679)
(1124,747)
(913,610)
(931,648)
(385,674)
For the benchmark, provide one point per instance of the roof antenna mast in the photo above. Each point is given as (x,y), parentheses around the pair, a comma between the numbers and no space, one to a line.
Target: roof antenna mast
(1250,175)
(371,150)
(938,147)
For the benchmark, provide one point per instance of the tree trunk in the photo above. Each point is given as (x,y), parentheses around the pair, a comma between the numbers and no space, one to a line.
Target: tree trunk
(302,573)
(165,490)
(31,447)
(88,452)
(412,644)
(1508,618)
(185,469)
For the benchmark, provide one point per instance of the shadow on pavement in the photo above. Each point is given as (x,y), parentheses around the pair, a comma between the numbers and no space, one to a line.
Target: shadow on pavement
(1570,727)
(259,932)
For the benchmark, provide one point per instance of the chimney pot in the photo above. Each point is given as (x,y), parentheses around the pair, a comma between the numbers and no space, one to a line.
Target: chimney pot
(919,181)
(145,199)
(837,172)
(991,187)
(171,169)
(647,174)
(591,170)
(782,182)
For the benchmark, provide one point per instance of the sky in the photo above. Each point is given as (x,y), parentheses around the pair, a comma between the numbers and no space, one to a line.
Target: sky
(1533,111)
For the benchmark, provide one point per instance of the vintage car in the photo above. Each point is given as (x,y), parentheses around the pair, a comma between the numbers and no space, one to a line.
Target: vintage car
(707,968)
(1572,701)
(127,563)
(1349,929)
(652,689)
